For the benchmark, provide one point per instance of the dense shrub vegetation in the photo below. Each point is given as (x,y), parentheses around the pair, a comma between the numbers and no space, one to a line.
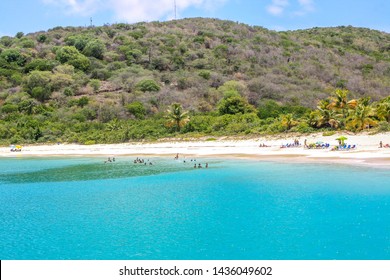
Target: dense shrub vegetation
(190,78)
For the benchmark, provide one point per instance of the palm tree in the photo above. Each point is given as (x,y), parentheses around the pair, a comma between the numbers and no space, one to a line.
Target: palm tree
(328,117)
(340,98)
(361,118)
(114,125)
(287,121)
(352,104)
(340,101)
(383,109)
(177,117)
(334,123)
(314,119)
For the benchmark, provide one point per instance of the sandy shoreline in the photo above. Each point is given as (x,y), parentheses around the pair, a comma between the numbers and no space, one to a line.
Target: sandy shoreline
(367,151)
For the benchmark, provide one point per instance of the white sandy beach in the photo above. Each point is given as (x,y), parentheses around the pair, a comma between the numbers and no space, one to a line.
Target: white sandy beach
(367,149)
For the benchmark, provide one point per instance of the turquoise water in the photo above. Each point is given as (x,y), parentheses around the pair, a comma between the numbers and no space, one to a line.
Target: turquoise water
(81,208)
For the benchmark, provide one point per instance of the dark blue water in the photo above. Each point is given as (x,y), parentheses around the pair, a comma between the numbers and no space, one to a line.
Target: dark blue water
(81,208)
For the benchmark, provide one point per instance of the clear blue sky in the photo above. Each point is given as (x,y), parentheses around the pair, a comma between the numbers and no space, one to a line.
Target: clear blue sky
(36,15)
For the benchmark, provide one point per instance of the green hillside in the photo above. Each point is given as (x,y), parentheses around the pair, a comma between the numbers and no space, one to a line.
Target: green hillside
(117,82)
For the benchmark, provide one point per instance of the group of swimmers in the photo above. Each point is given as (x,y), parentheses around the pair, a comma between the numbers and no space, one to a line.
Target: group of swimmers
(200,165)
(185,161)
(142,161)
(109,160)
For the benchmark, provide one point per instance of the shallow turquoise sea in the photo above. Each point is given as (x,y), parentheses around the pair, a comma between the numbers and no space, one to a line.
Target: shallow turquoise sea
(80,208)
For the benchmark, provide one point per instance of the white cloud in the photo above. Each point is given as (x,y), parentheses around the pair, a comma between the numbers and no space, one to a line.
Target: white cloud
(275,10)
(307,6)
(134,10)
(79,7)
(277,7)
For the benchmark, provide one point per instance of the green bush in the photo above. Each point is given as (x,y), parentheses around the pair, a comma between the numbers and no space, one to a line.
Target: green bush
(78,41)
(205,74)
(13,56)
(41,93)
(41,65)
(9,108)
(27,43)
(137,109)
(95,48)
(233,103)
(95,84)
(302,127)
(68,91)
(147,85)
(16,79)
(6,41)
(70,55)
(83,101)
(41,38)
(19,35)
(383,127)
(38,79)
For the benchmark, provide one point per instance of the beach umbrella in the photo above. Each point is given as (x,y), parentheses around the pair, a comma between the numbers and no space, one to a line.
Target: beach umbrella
(342,139)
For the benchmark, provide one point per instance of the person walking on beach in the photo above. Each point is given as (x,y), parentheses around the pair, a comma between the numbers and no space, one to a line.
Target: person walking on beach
(380,144)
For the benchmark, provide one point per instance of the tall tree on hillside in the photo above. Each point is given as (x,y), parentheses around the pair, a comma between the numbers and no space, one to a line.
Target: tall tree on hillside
(177,117)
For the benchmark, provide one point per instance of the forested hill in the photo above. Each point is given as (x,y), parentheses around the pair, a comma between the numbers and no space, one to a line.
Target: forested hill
(59,84)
